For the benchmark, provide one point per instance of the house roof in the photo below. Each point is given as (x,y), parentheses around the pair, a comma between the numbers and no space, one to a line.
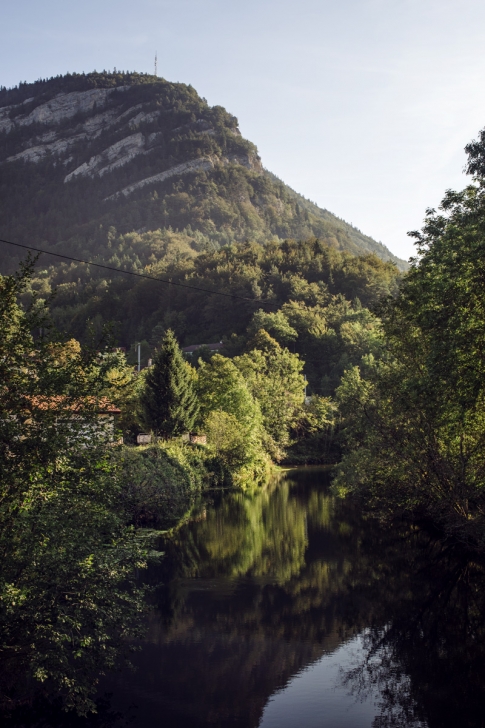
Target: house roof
(194,347)
(102,405)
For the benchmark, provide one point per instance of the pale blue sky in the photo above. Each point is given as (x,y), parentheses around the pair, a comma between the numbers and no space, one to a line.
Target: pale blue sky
(364,106)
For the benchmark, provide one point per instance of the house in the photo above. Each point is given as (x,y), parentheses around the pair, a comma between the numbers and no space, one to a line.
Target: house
(197,439)
(195,347)
(77,415)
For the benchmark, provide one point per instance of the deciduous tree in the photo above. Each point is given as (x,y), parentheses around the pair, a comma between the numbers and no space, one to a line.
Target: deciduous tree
(67,592)
(416,415)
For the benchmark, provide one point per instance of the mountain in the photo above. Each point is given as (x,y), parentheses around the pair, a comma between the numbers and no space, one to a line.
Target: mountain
(88,157)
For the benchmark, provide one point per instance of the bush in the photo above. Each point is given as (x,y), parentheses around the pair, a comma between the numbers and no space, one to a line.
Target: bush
(161,483)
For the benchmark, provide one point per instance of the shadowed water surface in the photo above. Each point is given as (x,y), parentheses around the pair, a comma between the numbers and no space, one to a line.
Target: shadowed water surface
(287,609)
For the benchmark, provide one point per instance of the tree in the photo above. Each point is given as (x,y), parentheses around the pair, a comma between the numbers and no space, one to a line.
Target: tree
(125,387)
(221,386)
(415,417)
(169,401)
(231,417)
(273,376)
(68,597)
(275,323)
(229,440)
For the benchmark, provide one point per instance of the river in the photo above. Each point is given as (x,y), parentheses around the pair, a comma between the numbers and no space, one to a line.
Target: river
(287,609)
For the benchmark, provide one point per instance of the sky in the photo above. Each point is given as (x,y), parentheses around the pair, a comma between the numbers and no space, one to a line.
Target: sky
(363,106)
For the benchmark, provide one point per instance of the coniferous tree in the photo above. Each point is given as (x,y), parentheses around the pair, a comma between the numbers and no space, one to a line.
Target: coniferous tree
(169,401)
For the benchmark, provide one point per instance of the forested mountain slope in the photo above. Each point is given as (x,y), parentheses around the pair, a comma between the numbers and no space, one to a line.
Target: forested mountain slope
(305,294)
(86,157)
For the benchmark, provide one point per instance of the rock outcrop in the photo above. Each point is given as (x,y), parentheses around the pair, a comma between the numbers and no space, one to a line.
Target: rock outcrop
(58,142)
(192,166)
(61,107)
(114,156)
(92,123)
(36,153)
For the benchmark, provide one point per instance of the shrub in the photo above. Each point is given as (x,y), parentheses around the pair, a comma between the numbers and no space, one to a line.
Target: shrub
(161,483)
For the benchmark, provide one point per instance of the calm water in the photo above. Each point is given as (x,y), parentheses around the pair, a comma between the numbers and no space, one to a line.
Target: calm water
(286,609)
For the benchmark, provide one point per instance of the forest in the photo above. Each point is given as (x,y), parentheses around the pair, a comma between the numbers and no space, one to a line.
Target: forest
(303,292)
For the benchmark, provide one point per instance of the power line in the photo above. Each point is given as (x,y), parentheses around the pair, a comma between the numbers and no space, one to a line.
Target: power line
(152,278)
(142,275)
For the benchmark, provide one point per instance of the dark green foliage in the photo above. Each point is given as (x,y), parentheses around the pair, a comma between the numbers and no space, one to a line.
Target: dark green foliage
(231,418)
(315,434)
(273,376)
(160,483)
(416,416)
(310,282)
(68,597)
(47,88)
(169,401)
(189,228)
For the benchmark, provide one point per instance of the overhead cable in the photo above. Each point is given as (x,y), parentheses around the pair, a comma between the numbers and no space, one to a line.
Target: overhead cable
(261,301)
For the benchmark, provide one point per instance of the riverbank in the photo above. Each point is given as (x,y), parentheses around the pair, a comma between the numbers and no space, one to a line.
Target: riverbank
(162,482)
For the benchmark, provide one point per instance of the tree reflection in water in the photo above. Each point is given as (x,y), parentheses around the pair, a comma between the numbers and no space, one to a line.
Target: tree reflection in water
(260,586)
(428,661)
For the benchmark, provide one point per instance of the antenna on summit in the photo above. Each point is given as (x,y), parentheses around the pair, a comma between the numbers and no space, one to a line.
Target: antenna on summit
(156,64)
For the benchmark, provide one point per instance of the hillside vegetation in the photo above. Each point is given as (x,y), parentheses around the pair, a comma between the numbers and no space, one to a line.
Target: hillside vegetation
(307,295)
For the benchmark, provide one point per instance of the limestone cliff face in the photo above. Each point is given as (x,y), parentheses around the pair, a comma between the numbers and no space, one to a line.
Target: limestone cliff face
(63,106)
(102,112)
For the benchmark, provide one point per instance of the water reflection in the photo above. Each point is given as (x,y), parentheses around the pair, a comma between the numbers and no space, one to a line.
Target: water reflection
(428,659)
(316,697)
(240,607)
(286,594)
